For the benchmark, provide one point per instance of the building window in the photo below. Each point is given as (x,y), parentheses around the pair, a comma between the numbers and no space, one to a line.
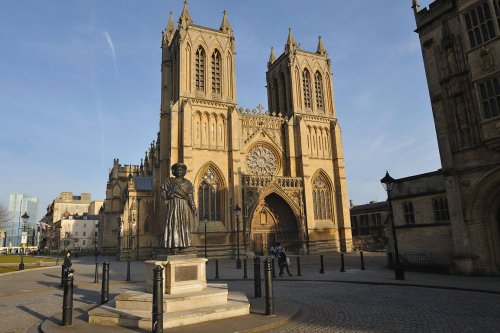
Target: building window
(306,85)
(321,199)
(200,69)
(147,225)
(216,72)
(83,242)
(85,225)
(84,233)
(318,82)
(408,212)
(210,197)
(490,97)
(479,25)
(441,213)
(354,225)
(76,233)
(497,10)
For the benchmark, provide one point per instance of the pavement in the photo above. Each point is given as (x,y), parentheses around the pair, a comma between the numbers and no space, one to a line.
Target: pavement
(356,300)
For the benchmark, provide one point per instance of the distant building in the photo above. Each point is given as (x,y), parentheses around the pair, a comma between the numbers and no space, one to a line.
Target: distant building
(454,213)
(368,223)
(77,232)
(19,204)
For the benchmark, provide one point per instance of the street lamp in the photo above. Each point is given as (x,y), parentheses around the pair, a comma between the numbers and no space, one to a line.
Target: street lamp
(205,220)
(388,184)
(25,218)
(237,211)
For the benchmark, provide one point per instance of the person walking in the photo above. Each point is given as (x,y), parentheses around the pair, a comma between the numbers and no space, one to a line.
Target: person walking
(283,263)
(67,261)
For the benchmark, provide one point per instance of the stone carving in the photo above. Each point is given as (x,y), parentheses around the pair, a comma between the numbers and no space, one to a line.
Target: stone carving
(177,196)
(261,161)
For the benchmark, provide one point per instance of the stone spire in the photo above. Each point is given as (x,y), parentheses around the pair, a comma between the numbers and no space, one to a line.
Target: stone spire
(272,57)
(321,48)
(225,26)
(291,46)
(290,40)
(415,6)
(169,30)
(185,18)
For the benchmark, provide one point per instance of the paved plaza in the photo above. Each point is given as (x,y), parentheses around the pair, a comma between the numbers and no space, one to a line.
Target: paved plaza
(351,301)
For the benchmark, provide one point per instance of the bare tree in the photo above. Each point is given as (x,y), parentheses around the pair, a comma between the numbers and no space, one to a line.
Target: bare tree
(4,216)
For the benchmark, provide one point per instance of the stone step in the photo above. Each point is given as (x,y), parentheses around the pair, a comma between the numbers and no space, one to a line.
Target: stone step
(237,305)
(214,294)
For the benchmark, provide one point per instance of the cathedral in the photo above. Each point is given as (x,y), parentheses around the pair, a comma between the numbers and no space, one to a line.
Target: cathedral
(259,176)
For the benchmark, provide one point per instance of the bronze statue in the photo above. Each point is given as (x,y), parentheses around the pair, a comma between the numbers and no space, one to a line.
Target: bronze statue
(177,194)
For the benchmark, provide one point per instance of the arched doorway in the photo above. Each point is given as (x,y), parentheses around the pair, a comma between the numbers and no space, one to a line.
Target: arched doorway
(273,221)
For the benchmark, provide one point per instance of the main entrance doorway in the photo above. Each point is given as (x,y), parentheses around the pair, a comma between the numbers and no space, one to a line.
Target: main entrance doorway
(273,221)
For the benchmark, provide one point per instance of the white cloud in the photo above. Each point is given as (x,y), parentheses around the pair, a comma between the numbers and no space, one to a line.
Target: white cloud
(112,49)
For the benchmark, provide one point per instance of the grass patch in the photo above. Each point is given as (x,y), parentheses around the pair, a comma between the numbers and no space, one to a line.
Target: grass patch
(27,259)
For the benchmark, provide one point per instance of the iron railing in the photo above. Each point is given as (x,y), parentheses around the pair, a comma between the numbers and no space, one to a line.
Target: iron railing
(434,259)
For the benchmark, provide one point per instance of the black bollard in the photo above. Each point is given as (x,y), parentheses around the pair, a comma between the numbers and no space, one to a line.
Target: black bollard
(362,261)
(105,282)
(269,287)
(157,320)
(128,269)
(273,270)
(342,268)
(298,266)
(322,269)
(256,276)
(62,276)
(245,276)
(67,315)
(96,274)
(216,269)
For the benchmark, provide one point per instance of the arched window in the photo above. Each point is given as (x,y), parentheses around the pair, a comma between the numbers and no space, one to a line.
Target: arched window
(147,225)
(276,96)
(318,83)
(216,72)
(306,85)
(210,196)
(200,69)
(321,199)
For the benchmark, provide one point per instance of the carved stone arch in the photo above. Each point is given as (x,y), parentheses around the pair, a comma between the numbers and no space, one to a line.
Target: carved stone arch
(273,188)
(259,152)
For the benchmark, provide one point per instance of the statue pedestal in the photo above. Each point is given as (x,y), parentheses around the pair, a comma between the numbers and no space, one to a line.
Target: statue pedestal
(182,273)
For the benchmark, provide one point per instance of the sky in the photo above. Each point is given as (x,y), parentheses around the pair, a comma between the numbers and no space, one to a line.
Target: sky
(80,85)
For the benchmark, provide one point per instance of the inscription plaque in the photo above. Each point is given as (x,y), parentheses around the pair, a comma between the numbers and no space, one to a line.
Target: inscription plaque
(186,273)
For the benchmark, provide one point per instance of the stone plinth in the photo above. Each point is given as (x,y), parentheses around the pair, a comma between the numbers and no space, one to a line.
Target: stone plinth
(182,273)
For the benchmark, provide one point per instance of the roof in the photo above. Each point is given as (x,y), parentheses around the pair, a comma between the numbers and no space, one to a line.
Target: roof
(143,183)
(370,207)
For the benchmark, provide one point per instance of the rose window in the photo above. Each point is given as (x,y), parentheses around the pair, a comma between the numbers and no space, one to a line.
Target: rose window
(261,161)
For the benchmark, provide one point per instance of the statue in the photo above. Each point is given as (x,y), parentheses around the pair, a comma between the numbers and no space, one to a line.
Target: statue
(177,194)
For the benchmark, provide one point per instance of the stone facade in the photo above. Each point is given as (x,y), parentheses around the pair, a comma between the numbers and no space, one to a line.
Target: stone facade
(368,222)
(283,167)
(460,43)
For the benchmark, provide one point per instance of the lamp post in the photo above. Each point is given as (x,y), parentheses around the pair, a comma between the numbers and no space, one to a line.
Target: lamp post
(25,218)
(237,211)
(205,220)
(388,184)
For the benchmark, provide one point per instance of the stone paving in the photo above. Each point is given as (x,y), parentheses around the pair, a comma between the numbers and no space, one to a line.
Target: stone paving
(354,301)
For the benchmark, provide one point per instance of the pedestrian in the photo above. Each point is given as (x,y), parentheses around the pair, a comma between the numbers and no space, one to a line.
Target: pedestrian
(271,250)
(283,263)
(67,261)
(277,249)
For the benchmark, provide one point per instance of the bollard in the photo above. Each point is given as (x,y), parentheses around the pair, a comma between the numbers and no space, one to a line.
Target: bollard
(96,274)
(273,270)
(342,268)
(322,269)
(362,261)
(105,282)
(128,269)
(157,320)
(62,276)
(216,269)
(256,276)
(245,276)
(298,266)
(67,315)
(269,287)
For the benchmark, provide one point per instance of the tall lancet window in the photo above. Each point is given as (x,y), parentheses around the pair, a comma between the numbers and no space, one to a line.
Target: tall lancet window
(321,199)
(318,82)
(200,69)
(209,197)
(306,85)
(216,72)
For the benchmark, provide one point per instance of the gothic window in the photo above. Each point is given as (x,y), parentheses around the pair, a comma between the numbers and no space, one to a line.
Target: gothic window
(147,225)
(276,96)
(306,85)
(210,197)
(490,97)
(318,82)
(200,69)
(479,25)
(408,212)
(441,213)
(321,199)
(497,10)
(216,72)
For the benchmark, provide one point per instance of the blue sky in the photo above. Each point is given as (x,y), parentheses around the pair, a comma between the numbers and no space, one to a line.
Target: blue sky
(80,84)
